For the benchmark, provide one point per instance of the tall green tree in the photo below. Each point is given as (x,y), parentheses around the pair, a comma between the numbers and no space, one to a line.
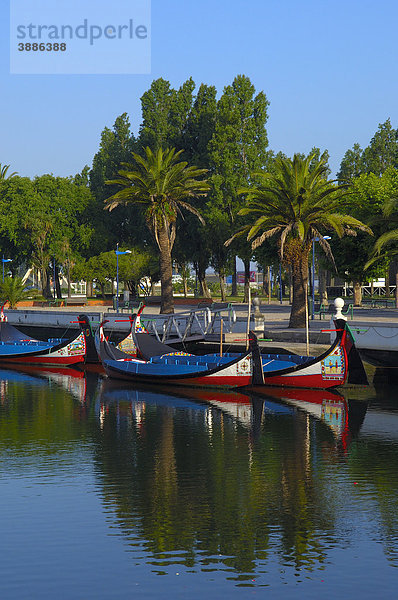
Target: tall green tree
(382,151)
(192,242)
(237,149)
(161,184)
(297,204)
(352,164)
(376,158)
(37,219)
(165,113)
(369,193)
(115,148)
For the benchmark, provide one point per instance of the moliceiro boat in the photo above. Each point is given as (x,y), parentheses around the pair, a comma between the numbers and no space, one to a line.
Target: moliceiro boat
(17,347)
(176,368)
(160,364)
(341,363)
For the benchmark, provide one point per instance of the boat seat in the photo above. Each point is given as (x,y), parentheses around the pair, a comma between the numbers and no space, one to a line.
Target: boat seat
(275,365)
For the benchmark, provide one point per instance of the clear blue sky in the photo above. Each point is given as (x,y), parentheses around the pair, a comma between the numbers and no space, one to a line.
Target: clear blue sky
(328,68)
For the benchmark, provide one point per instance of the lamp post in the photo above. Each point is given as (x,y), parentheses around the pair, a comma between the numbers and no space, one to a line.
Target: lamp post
(5,260)
(118,253)
(316,239)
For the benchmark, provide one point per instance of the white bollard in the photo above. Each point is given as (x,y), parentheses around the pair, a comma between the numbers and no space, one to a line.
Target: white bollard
(258,316)
(338,305)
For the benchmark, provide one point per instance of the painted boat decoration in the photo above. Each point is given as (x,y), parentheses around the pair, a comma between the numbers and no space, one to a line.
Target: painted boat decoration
(177,368)
(341,363)
(17,347)
(126,345)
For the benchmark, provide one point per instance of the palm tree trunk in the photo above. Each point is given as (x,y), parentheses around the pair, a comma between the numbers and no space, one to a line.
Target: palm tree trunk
(265,280)
(185,283)
(323,293)
(300,282)
(166,273)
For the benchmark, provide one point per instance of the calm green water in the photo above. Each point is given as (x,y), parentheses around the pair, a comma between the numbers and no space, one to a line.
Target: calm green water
(110,492)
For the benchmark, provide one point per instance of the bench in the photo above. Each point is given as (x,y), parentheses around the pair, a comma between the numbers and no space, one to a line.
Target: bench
(367,303)
(54,302)
(75,301)
(323,311)
(205,303)
(214,305)
(128,305)
(379,303)
(221,305)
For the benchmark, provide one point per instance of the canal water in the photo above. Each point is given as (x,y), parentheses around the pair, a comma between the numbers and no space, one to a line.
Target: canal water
(112,492)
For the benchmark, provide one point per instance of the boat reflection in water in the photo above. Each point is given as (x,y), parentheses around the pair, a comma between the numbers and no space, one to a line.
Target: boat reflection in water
(211,485)
(244,409)
(72,380)
(344,417)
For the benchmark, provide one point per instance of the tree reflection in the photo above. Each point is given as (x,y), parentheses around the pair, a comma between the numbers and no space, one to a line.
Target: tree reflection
(212,485)
(200,492)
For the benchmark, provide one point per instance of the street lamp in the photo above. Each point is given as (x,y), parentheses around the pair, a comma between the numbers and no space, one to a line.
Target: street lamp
(5,260)
(316,239)
(118,253)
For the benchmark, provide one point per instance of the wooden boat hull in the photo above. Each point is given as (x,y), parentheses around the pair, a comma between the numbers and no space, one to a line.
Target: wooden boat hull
(16,347)
(339,364)
(236,373)
(321,373)
(66,354)
(329,370)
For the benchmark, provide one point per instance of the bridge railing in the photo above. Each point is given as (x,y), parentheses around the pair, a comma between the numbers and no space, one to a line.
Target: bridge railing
(193,325)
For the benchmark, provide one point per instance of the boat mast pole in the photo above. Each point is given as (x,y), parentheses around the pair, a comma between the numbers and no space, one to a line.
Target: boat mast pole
(248,319)
(307,335)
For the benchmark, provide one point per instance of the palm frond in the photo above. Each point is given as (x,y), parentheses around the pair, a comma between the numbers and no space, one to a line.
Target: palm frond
(261,239)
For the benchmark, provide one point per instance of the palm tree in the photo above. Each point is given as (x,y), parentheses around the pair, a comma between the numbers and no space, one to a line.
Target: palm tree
(161,184)
(3,172)
(12,290)
(297,203)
